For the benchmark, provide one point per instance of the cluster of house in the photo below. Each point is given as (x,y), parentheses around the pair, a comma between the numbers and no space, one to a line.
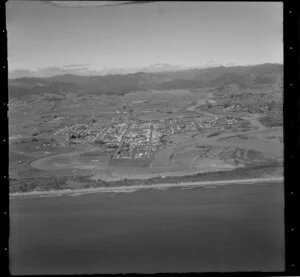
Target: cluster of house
(80,132)
(134,139)
(135,144)
(185,125)
(236,108)
(107,131)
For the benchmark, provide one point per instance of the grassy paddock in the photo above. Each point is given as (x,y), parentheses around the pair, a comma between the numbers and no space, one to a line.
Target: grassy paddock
(59,183)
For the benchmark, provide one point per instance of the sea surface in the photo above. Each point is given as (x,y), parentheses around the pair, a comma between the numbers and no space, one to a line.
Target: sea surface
(224,228)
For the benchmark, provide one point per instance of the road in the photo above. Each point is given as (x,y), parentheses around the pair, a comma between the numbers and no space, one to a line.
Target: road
(150,139)
(122,140)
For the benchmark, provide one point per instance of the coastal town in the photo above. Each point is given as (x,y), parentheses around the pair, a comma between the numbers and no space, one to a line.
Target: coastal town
(131,138)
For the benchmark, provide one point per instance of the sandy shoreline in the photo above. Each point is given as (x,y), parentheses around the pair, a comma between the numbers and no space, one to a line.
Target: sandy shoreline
(140,187)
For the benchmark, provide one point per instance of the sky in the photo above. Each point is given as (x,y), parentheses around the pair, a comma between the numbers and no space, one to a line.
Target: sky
(179,33)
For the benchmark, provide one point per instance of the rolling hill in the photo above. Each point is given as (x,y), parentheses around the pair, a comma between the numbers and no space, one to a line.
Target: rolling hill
(120,84)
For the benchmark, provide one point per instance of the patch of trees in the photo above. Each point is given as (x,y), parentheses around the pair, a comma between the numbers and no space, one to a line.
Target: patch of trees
(163,139)
(272,120)
(99,141)
(39,184)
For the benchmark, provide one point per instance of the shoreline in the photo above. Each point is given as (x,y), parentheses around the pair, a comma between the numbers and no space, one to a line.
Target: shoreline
(141,187)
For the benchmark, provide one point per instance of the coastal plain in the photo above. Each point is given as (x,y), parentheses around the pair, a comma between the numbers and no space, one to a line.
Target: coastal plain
(62,139)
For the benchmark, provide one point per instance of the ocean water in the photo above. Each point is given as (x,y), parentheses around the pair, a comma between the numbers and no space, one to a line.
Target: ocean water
(227,228)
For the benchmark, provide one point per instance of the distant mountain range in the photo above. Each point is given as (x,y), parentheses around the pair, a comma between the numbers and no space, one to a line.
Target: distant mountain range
(160,79)
(84,70)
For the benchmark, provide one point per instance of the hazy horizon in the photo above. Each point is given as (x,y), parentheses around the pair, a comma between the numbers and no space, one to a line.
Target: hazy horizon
(190,34)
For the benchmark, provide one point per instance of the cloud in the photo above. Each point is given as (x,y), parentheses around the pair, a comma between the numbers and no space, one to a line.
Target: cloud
(50,71)
(19,73)
(231,64)
(83,65)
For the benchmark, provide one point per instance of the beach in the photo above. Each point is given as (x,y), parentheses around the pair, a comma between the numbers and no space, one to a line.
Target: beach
(151,186)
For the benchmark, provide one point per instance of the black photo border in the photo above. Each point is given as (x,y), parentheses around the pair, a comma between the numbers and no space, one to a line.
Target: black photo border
(291,65)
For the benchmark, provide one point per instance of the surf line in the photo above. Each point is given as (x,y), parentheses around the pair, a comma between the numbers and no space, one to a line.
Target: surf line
(154,186)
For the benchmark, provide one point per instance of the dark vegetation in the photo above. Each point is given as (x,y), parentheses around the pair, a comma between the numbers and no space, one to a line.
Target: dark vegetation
(37,184)
(273,119)
(213,134)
